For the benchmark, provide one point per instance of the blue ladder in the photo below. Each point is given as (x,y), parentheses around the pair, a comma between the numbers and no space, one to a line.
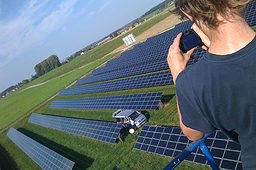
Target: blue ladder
(183,155)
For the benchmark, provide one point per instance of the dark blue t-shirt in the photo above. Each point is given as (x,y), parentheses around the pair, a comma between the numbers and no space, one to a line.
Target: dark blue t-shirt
(220,92)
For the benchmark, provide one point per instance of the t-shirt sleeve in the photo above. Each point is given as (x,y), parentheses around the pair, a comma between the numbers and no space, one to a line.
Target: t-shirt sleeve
(189,104)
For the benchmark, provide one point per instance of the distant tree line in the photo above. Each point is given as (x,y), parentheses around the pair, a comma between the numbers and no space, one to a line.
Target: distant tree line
(47,65)
(159,7)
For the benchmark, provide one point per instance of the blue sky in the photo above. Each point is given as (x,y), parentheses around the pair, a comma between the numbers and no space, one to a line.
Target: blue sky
(32,30)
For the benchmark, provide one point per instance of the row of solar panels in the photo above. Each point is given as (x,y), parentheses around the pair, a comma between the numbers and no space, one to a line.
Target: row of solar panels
(166,141)
(146,101)
(149,80)
(49,159)
(146,52)
(148,67)
(142,81)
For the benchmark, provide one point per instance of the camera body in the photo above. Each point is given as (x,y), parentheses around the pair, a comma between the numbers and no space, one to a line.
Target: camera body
(189,40)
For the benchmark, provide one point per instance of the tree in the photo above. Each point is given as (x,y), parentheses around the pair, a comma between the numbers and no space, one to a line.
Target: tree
(47,65)
(25,82)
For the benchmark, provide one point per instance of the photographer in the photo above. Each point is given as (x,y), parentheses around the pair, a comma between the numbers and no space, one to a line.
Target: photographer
(219,91)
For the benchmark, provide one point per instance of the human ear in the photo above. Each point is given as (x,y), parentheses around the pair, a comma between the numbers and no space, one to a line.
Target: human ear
(187,15)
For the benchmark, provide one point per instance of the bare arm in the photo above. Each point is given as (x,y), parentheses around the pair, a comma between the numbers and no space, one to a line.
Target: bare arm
(192,134)
(177,62)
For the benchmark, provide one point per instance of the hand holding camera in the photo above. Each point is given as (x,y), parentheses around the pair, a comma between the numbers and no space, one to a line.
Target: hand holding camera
(183,47)
(177,60)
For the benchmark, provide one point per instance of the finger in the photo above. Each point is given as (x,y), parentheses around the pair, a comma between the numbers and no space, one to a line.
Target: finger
(204,47)
(176,43)
(190,52)
(177,39)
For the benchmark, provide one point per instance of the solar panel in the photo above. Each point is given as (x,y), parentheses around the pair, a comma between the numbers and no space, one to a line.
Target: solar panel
(250,13)
(152,66)
(130,62)
(131,71)
(149,80)
(169,141)
(43,156)
(99,130)
(147,101)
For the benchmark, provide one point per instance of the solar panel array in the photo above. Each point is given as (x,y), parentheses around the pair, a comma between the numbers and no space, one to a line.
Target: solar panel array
(131,71)
(99,130)
(153,49)
(250,13)
(43,156)
(147,101)
(148,80)
(139,69)
(170,141)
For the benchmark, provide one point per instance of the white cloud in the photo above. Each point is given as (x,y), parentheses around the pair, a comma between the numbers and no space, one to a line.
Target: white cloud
(31,27)
(91,13)
(100,9)
(104,5)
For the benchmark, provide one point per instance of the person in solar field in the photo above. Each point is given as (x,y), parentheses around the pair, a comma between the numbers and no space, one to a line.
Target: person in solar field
(219,91)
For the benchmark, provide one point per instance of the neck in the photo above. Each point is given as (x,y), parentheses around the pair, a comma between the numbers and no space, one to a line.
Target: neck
(230,37)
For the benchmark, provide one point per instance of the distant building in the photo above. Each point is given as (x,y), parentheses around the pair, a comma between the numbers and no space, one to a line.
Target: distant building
(128,40)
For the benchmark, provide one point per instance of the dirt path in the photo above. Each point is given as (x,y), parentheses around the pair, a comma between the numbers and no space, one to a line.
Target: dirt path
(160,27)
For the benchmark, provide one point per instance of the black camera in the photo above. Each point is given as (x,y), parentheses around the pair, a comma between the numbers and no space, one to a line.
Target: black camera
(189,40)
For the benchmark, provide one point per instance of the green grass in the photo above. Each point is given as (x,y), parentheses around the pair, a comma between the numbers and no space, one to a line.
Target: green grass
(254,28)
(18,104)
(92,154)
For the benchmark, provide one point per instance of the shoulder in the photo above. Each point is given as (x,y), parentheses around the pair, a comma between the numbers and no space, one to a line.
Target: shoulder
(191,75)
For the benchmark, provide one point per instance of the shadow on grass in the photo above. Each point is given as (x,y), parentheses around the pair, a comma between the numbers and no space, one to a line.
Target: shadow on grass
(166,98)
(115,168)
(123,134)
(6,161)
(146,114)
(81,161)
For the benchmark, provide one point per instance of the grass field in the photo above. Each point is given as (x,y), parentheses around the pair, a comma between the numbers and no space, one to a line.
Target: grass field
(92,154)
(18,104)
(254,28)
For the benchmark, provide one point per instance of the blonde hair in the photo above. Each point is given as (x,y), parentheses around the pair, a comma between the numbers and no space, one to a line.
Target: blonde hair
(206,11)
